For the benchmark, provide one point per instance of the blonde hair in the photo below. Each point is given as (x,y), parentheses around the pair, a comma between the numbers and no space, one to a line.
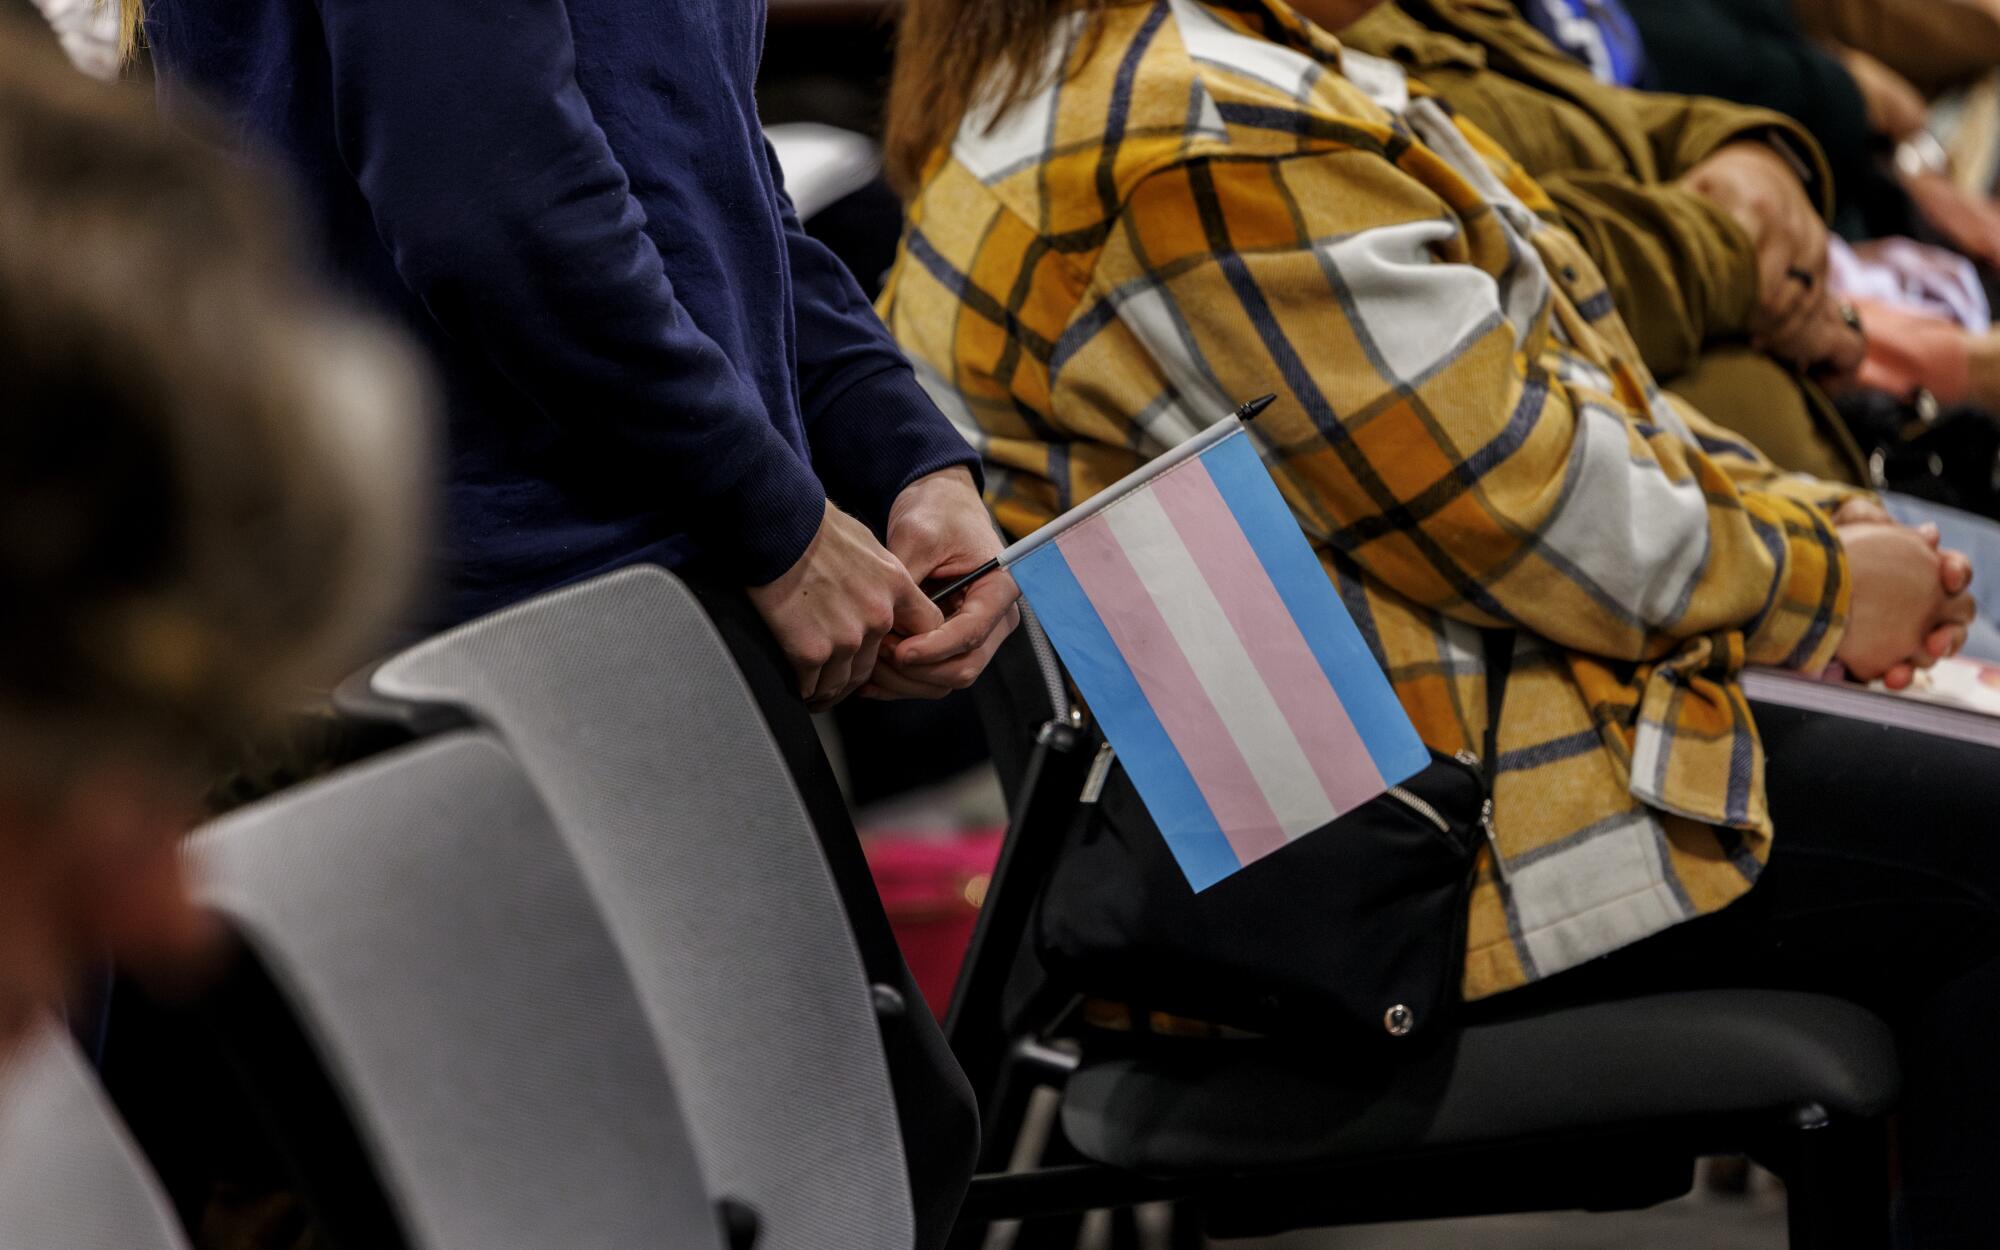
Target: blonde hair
(131,26)
(210,475)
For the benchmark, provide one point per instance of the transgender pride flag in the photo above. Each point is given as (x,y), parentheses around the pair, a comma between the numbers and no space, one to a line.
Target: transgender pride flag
(1216,654)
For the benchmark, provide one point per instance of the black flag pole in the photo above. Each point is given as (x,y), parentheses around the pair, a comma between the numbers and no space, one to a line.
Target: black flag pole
(1248,412)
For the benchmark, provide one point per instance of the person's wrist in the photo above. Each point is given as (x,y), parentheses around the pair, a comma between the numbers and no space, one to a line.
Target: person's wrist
(945,479)
(1754,153)
(933,488)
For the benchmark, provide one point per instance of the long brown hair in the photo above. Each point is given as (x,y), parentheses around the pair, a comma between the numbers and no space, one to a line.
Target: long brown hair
(947,52)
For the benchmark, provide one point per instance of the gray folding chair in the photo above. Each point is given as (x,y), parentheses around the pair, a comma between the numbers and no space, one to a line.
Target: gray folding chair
(434,936)
(628,714)
(70,1177)
(631,719)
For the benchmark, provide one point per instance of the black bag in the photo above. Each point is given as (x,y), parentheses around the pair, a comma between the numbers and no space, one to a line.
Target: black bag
(1946,455)
(1358,927)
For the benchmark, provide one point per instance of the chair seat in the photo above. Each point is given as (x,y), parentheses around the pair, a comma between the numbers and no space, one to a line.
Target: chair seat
(1224,1106)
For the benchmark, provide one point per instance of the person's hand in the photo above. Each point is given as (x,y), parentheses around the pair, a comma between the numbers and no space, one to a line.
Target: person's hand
(1969,223)
(1954,567)
(1910,604)
(939,529)
(1797,319)
(1955,577)
(1895,107)
(831,610)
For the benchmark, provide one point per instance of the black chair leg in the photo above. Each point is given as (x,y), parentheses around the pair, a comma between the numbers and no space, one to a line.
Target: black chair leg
(1053,1232)
(1836,1175)
(1185,1227)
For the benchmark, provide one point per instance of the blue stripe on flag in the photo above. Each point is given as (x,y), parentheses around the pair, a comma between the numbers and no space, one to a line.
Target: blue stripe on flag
(1310,596)
(1148,754)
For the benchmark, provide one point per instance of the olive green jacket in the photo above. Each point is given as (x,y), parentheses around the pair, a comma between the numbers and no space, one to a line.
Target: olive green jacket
(1936,44)
(1680,270)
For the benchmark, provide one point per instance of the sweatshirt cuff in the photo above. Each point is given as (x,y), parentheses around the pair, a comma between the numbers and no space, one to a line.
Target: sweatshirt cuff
(1804,623)
(1726,260)
(759,527)
(878,436)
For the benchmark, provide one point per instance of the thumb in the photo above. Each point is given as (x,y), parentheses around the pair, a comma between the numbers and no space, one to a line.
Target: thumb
(1957,572)
(915,613)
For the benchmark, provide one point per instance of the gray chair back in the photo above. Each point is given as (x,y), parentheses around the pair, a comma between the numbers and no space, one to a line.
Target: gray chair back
(432,932)
(626,711)
(70,1177)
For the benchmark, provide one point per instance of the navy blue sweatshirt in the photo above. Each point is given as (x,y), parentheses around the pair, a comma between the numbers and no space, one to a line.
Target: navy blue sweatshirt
(573,207)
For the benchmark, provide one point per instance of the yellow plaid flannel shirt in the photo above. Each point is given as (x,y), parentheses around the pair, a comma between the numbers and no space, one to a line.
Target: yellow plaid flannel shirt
(1210,201)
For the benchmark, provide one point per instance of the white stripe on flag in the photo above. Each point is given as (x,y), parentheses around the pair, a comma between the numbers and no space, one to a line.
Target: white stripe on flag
(1224,668)
(1137,478)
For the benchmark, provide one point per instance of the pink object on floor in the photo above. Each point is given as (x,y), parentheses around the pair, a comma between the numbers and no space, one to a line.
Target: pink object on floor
(932,889)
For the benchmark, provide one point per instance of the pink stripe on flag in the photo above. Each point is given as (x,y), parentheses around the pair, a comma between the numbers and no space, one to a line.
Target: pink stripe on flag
(1214,539)
(1169,683)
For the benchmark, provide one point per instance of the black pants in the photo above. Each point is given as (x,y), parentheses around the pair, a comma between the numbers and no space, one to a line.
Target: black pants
(1883,888)
(934,1102)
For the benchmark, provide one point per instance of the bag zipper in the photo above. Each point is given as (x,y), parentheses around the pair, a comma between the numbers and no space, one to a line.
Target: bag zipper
(1420,807)
(1471,761)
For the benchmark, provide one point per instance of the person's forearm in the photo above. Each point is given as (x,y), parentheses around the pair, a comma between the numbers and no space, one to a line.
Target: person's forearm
(1681,272)
(508,215)
(1512,485)
(873,429)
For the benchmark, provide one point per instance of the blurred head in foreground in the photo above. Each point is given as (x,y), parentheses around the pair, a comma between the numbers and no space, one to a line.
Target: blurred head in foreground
(208,502)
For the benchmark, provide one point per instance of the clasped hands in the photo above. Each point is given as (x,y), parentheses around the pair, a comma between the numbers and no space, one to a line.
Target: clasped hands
(1911,599)
(851,614)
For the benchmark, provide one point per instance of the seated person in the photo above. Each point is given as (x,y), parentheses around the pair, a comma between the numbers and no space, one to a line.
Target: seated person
(1695,210)
(1701,215)
(207,501)
(1126,217)
(1759,52)
(1706,219)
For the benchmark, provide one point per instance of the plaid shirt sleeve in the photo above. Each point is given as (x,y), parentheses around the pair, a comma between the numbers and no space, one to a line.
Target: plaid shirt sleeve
(1443,425)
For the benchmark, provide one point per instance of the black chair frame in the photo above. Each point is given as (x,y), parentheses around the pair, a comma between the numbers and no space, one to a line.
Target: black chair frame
(1836,1169)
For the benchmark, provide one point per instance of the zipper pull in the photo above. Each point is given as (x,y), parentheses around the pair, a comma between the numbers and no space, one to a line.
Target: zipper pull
(1492,839)
(1471,761)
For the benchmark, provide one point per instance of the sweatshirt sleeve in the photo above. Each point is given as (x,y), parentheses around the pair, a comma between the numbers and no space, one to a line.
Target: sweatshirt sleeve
(508,215)
(872,427)
(1753,53)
